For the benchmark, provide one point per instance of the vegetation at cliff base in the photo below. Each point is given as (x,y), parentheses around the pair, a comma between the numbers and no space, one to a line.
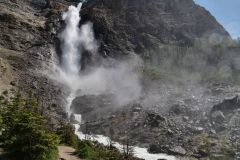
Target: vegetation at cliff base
(25,134)
(94,151)
(67,135)
(89,150)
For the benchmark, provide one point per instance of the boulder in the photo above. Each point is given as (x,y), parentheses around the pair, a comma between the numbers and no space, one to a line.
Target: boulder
(178,150)
(228,105)
(92,107)
(218,116)
(153,148)
(177,109)
(154,120)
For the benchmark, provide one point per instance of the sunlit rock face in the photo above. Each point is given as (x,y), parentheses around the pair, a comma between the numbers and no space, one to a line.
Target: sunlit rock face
(30,43)
(28,31)
(137,25)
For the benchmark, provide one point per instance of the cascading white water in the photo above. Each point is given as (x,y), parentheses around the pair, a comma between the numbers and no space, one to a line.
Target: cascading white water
(68,71)
(72,39)
(137,151)
(78,118)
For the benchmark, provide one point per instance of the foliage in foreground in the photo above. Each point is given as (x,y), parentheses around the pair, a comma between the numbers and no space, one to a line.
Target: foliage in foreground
(26,137)
(24,132)
(87,149)
(67,135)
(94,151)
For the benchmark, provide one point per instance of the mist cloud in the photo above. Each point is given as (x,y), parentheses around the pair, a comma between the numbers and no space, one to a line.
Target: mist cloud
(121,80)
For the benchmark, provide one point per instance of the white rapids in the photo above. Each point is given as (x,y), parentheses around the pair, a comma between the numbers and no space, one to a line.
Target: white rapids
(137,151)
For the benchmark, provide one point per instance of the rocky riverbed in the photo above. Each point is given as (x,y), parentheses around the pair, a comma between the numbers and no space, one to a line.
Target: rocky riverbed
(187,128)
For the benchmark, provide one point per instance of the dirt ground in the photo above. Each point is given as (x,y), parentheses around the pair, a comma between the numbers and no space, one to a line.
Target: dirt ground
(66,153)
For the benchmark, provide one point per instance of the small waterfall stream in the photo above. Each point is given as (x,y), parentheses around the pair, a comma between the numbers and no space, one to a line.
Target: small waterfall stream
(68,73)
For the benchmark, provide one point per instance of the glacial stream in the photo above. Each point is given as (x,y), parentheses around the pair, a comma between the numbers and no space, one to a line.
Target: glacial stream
(68,73)
(137,151)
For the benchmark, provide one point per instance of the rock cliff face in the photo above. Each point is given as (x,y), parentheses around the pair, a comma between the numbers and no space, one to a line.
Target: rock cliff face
(29,28)
(138,25)
(28,42)
(27,33)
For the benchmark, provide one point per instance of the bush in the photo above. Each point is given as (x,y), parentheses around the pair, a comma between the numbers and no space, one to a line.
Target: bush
(67,135)
(25,135)
(94,151)
(86,150)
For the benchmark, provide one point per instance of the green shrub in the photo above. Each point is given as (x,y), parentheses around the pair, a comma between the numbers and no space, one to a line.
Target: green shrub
(25,135)
(94,151)
(86,150)
(67,135)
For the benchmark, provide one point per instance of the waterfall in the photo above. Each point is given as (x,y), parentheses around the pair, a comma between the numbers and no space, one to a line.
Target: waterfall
(73,39)
(68,71)
(78,118)
(70,44)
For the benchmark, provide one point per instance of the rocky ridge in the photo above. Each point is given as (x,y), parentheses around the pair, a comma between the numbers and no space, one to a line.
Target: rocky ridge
(28,42)
(176,132)
(27,45)
(141,25)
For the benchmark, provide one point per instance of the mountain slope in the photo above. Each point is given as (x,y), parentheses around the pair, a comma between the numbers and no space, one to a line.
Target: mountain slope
(29,29)
(137,25)
(27,32)
(29,45)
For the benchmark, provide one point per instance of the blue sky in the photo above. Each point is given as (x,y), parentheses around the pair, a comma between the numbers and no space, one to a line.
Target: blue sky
(227,12)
